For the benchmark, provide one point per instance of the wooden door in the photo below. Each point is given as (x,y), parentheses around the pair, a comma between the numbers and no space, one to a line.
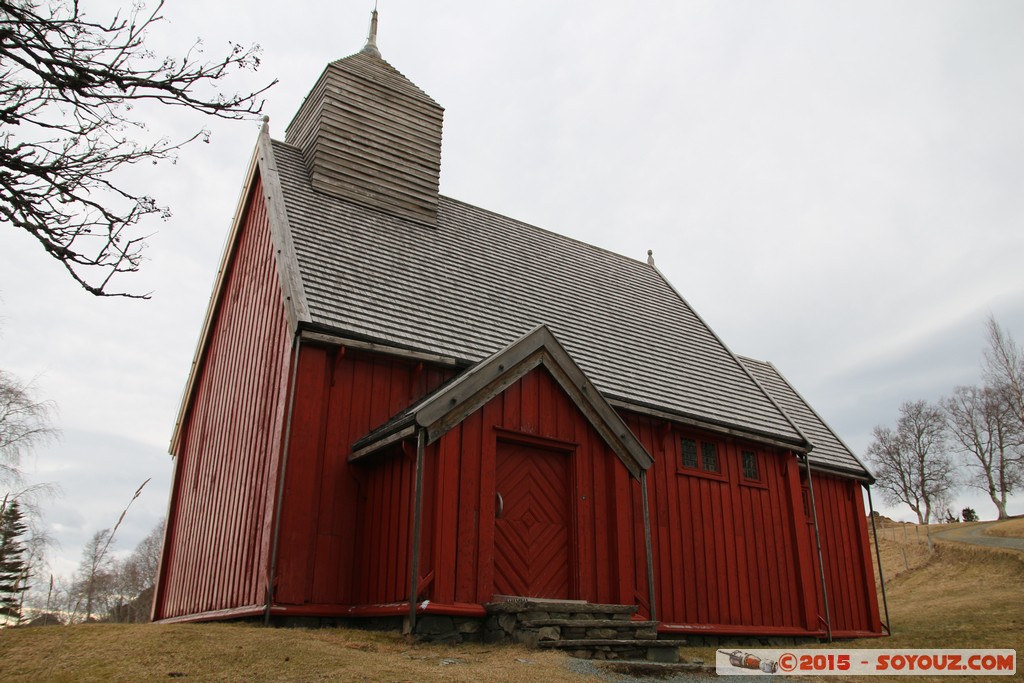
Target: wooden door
(532,534)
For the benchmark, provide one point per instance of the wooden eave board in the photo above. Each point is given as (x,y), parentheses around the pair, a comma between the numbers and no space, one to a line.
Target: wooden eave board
(829,452)
(477,279)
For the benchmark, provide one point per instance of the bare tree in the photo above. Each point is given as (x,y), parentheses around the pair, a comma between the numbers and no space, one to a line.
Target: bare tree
(135,577)
(24,424)
(93,577)
(913,463)
(986,430)
(96,578)
(1003,368)
(68,86)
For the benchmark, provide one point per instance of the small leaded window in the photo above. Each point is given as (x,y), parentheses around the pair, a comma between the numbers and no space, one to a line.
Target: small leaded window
(689,453)
(750,465)
(709,457)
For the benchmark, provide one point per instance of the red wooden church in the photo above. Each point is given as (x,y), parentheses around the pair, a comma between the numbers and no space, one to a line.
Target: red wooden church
(403,405)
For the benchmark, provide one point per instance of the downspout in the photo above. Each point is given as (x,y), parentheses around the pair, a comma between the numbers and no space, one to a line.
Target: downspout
(282,472)
(417,523)
(878,559)
(817,540)
(647,547)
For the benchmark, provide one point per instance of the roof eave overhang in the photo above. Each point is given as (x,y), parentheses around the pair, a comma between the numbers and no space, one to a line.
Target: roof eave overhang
(863,476)
(793,444)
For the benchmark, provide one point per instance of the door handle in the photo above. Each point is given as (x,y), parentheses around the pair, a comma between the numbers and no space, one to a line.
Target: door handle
(500,508)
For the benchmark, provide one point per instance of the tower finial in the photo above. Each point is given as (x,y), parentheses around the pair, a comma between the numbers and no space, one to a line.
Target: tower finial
(650,257)
(371,39)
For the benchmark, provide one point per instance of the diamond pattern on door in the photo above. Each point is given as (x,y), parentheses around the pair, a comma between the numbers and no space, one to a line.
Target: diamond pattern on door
(531,535)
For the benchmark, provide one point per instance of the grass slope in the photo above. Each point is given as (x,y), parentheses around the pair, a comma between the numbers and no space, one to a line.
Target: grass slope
(1013,528)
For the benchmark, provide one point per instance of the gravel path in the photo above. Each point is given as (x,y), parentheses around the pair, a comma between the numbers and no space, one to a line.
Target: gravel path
(974,534)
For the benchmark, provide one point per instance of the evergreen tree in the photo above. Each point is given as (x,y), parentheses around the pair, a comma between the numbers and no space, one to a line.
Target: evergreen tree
(13,568)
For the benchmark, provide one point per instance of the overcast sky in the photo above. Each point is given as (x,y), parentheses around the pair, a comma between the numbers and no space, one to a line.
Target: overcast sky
(836,187)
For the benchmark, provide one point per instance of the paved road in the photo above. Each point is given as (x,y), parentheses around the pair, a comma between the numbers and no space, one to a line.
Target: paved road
(974,534)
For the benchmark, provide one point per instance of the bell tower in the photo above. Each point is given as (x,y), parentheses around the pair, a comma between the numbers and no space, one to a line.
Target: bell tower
(369,135)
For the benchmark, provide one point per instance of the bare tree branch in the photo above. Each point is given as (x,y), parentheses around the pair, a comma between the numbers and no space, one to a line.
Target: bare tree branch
(912,463)
(68,85)
(24,424)
(985,430)
(1003,367)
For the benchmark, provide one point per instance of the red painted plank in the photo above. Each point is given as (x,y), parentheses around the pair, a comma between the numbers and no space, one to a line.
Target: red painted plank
(597,516)
(530,407)
(469,513)
(446,517)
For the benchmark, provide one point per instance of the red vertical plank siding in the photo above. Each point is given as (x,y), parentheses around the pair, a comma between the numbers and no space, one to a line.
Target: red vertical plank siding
(430,506)
(874,618)
(480,443)
(217,546)
(444,523)
(383,565)
(334,551)
(300,504)
(846,556)
(734,553)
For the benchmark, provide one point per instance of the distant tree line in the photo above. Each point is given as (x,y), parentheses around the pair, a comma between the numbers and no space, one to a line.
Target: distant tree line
(108,589)
(974,436)
(104,587)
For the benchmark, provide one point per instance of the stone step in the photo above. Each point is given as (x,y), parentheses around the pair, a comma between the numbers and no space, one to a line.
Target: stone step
(589,642)
(588,623)
(609,648)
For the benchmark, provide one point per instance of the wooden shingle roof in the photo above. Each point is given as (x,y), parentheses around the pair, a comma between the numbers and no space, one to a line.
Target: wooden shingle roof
(476,281)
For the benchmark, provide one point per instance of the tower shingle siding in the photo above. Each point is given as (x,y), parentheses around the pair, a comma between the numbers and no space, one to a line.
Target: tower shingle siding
(369,135)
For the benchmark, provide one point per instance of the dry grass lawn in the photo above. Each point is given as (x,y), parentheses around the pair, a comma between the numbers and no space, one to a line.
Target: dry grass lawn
(954,597)
(238,652)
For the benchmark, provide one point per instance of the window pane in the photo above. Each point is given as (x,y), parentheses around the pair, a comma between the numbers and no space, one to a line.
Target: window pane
(750,465)
(709,461)
(689,453)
